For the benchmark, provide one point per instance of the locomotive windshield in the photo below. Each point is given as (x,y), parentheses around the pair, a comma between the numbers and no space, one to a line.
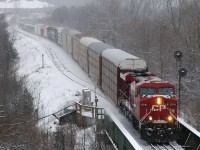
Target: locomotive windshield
(165,91)
(147,91)
(161,91)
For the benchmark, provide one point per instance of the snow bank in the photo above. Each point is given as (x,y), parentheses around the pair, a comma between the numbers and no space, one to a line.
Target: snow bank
(50,87)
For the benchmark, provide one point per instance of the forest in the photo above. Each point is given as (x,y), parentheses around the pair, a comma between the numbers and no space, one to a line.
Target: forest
(150,29)
(17,116)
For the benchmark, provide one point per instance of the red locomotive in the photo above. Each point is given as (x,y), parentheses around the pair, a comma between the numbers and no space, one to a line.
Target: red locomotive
(151,105)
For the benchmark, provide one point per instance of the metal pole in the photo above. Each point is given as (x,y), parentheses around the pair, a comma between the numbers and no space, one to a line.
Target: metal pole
(182,73)
(179,94)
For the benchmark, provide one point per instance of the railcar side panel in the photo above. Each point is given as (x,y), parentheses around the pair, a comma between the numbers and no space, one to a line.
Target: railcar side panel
(69,44)
(45,31)
(60,40)
(83,61)
(94,53)
(64,40)
(76,46)
(109,80)
(93,66)
(28,27)
(38,28)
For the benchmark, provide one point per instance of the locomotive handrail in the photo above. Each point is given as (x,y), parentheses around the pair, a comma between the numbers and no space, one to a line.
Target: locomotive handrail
(145,116)
(172,115)
(123,94)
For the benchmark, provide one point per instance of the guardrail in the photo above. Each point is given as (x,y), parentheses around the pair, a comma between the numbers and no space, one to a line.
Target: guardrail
(189,137)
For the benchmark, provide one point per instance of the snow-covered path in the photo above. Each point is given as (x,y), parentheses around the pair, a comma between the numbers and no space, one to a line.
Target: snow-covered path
(56,85)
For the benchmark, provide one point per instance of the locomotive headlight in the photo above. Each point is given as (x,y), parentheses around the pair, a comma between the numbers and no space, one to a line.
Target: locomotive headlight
(150,118)
(170,118)
(159,100)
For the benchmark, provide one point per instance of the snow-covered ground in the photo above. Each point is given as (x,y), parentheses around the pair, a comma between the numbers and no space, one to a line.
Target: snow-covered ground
(57,84)
(24,4)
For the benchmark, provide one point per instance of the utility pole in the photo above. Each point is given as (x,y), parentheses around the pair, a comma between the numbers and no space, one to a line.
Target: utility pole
(178,55)
(181,73)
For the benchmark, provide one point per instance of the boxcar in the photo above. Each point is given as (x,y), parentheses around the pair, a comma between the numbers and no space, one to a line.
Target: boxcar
(69,39)
(38,28)
(60,36)
(28,27)
(115,61)
(45,31)
(94,62)
(64,39)
(83,59)
(76,45)
(50,32)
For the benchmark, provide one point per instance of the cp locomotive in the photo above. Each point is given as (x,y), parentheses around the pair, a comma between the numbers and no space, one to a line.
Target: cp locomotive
(148,102)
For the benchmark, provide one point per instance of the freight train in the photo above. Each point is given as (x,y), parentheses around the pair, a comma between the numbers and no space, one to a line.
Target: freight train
(148,102)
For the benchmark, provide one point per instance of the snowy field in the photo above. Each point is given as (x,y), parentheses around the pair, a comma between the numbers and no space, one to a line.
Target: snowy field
(24,4)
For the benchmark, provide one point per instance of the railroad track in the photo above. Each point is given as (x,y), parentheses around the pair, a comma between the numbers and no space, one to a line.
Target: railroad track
(166,146)
(66,72)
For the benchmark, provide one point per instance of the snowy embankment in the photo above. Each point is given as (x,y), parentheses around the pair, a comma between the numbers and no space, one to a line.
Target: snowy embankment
(57,84)
(24,4)
(52,90)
